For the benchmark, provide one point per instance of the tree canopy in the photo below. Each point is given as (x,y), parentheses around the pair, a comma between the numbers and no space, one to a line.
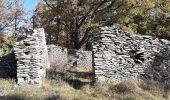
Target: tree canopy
(74,21)
(11,16)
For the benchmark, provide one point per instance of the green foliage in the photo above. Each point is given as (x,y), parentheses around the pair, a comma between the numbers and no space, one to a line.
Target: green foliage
(79,19)
(6,42)
(151,17)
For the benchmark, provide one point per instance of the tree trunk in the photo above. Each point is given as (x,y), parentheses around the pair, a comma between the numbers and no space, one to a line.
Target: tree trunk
(15,27)
(74,42)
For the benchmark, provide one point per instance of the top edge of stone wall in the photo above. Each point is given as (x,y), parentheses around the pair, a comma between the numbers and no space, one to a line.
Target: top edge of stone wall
(109,30)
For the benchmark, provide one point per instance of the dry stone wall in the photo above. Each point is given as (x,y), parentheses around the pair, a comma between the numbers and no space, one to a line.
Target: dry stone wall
(32,59)
(60,56)
(119,56)
(84,59)
(57,55)
(80,58)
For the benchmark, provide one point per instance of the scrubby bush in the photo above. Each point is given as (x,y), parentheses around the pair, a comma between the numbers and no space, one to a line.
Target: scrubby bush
(6,42)
(67,72)
(57,71)
(127,86)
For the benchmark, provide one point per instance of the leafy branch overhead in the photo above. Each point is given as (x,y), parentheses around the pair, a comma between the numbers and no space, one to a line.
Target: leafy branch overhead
(72,22)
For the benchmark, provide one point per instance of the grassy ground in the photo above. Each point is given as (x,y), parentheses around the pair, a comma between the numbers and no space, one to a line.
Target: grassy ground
(129,90)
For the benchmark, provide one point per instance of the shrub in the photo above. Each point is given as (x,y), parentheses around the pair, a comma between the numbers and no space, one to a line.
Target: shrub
(57,72)
(127,86)
(6,42)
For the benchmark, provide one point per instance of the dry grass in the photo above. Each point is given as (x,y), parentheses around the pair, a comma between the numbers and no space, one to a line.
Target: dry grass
(128,90)
(6,86)
(83,74)
(82,69)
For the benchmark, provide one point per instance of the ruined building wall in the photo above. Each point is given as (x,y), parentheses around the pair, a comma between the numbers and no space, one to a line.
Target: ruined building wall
(60,56)
(57,55)
(80,58)
(118,56)
(32,59)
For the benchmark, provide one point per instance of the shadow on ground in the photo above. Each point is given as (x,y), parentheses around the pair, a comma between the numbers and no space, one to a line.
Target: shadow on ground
(8,67)
(12,98)
(18,97)
(157,71)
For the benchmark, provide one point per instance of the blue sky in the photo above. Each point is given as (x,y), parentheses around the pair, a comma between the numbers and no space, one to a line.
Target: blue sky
(30,4)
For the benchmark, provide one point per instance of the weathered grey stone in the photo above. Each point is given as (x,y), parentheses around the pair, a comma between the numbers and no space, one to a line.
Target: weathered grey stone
(84,59)
(60,56)
(118,56)
(78,58)
(57,55)
(32,59)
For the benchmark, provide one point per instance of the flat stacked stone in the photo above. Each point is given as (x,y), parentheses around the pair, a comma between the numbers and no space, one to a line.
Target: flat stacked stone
(32,59)
(119,56)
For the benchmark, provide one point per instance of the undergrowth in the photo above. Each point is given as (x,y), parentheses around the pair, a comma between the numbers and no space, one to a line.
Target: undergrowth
(128,90)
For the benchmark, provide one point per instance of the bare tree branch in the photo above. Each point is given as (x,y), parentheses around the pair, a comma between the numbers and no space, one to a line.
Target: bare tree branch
(94,9)
(52,7)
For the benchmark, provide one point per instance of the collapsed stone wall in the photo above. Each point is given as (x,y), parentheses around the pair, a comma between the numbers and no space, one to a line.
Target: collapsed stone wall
(57,55)
(32,59)
(119,56)
(30,50)
(60,56)
(80,58)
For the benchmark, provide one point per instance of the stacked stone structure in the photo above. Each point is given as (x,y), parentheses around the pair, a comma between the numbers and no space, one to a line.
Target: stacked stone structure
(119,56)
(116,56)
(60,56)
(57,55)
(78,58)
(32,59)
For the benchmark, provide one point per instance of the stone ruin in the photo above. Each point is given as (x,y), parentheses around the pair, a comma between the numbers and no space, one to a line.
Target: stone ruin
(119,56)
(61,56)
(32,59)
(116,56)
(80,58)
(57,55)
